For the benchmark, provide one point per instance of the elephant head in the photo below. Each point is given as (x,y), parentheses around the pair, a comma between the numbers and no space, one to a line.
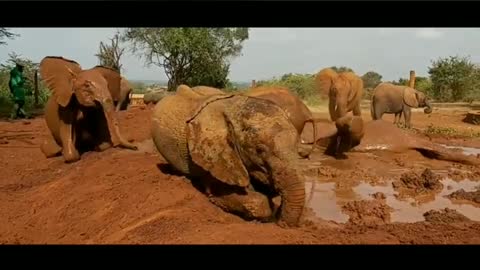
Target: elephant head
(344,91)
(236,137)
(72,87)
(416,99)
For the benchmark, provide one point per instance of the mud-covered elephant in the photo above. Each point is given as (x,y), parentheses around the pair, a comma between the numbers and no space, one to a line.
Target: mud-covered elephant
(397,99)
(242,150)
(296,110)
(80,113)
(344,90)
(379,135)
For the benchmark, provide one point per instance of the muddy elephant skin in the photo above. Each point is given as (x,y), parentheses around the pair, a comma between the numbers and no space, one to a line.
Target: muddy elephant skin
(234,146)
(397,99)
(80,113)
(344,90)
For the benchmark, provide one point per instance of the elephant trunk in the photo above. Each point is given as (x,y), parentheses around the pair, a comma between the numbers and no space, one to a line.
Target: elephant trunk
(291,186)
(112,122)
(428,108)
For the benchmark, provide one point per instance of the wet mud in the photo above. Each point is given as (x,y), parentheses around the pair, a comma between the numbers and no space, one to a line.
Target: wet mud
(129,197)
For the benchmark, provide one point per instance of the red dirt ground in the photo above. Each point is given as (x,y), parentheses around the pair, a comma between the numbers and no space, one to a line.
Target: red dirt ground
(122,196)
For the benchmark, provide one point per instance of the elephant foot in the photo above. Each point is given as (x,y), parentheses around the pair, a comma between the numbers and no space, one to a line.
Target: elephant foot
(251,205)
(71,155)
(50,148)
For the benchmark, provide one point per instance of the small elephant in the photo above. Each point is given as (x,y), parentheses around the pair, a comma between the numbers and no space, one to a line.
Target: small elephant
(337,137)
(389,98)
(379,135)
(242,150)
(345,92)
(80,113)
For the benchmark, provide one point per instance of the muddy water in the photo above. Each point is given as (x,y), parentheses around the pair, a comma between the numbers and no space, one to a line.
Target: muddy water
(326,201)
(465,150)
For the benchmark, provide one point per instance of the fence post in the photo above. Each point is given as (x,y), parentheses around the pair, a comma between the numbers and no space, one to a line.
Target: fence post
(35,79)
(411,82)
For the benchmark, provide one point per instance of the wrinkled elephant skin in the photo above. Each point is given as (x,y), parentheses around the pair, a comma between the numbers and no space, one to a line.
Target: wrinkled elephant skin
(80,113)
(232,144)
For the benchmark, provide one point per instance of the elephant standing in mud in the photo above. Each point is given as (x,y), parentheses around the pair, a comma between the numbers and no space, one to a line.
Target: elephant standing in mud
(379,135)
(345,92)
(397,99)
(80,113)
(242,150)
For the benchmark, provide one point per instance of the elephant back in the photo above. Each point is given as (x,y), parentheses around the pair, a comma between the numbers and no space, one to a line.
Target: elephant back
(295,109)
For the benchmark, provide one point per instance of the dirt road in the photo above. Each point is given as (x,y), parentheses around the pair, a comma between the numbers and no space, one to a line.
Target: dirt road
(122,196)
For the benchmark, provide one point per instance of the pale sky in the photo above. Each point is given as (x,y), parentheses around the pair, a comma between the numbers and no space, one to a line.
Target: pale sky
(269,52)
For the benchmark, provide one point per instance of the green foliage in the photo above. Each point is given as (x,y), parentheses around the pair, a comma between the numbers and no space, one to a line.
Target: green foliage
(194,56)
(109,55)
(341,69)
(371,79)
(453,78)
(5,33)
(302,85)
(30,67)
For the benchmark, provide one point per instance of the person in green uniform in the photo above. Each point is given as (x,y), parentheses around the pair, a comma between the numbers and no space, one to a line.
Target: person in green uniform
(17,88)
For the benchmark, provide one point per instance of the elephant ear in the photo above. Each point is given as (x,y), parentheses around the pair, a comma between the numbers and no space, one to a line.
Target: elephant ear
(324,80)
(210,144)
(113,80)
(410,97)
(58,74)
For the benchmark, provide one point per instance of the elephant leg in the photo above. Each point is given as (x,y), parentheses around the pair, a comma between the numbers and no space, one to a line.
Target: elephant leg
(331,109)
(357,111)
(378,112)
(50,148)
(244,202)
(408,115)
(67,136)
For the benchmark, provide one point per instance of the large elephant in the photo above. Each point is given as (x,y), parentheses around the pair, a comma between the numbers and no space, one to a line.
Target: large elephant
(243,150)
(345,92)
(80,113)
(379,135)
(296,110)
(389,98)
(207,90)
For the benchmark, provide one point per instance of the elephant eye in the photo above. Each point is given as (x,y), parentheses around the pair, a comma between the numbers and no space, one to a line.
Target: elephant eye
(261,149)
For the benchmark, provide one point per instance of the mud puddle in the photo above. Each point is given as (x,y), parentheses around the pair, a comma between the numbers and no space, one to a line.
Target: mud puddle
(326,200)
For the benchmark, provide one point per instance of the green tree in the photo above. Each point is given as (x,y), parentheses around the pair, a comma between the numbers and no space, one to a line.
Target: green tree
(6,33)
(453,78)
(189,55)
(110,55)
(341,69)
(371,79)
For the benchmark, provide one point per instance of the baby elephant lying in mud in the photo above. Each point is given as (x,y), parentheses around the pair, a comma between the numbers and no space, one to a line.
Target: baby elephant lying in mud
(242,150)
(379,135)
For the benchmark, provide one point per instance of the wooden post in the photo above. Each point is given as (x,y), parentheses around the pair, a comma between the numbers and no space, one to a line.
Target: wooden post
(35,81)
(254,84)
(411,82)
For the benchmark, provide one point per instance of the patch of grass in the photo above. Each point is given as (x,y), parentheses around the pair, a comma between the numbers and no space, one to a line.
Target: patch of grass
(451,132)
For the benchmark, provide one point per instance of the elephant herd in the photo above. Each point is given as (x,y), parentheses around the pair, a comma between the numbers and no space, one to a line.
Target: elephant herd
(240,149)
